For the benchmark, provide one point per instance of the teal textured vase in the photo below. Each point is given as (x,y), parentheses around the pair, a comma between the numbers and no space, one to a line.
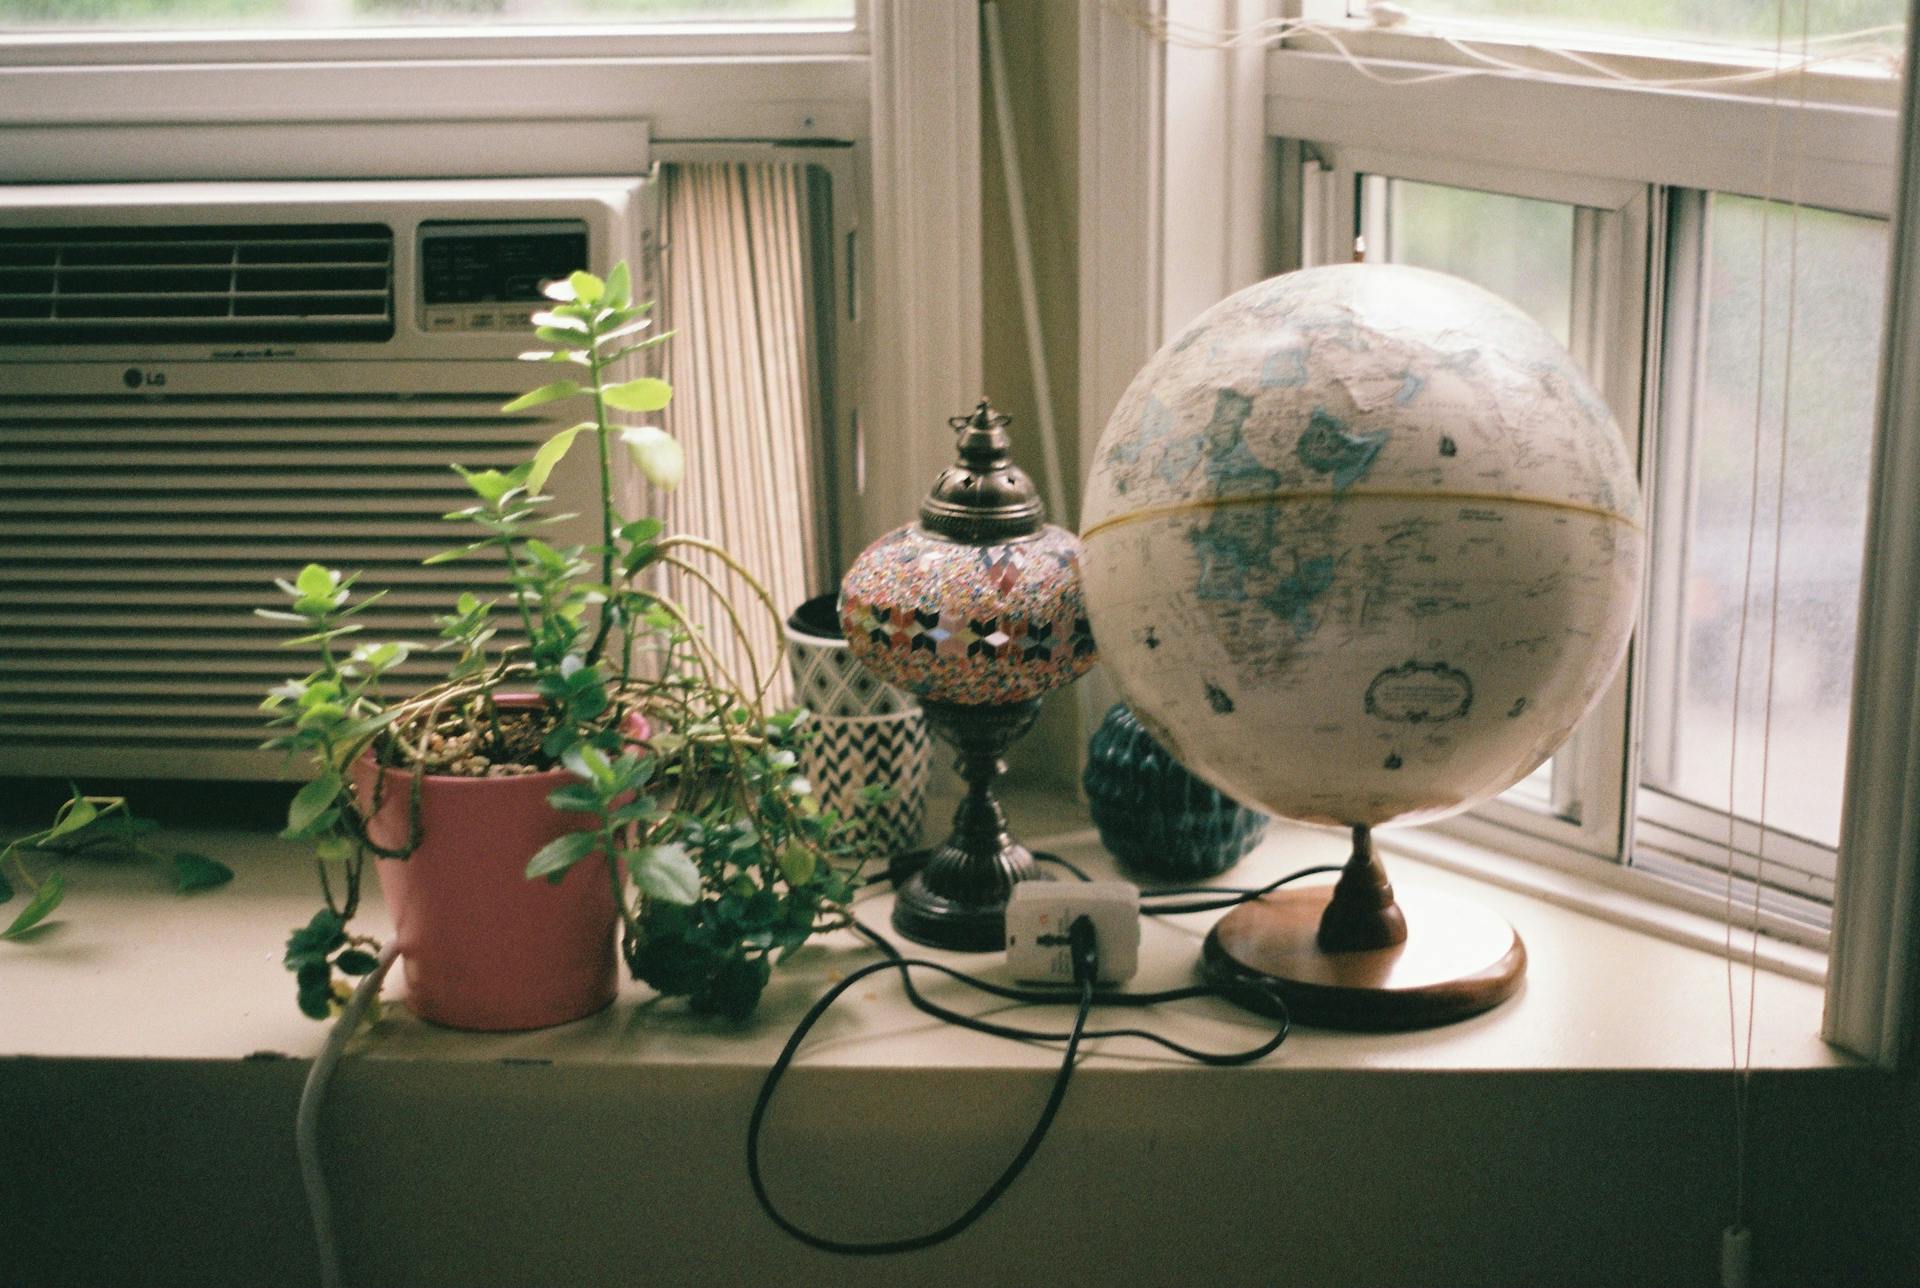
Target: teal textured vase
(1156,818)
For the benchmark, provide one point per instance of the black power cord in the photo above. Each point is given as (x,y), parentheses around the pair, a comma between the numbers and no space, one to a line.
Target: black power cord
(1085,963)
(1223,896)
(1084,949)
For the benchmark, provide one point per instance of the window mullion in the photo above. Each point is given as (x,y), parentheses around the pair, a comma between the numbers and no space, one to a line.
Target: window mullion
(1670,483)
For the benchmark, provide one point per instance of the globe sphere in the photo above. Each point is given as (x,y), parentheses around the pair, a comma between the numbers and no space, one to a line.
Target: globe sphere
(1362,545)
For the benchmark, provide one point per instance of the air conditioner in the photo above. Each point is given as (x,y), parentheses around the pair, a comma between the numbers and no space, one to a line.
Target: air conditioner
(203,387)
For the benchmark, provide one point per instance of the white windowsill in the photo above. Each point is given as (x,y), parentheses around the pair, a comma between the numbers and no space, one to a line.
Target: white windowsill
(132,973)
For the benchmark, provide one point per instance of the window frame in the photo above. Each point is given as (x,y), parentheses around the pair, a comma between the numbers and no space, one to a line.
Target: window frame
(1837,149)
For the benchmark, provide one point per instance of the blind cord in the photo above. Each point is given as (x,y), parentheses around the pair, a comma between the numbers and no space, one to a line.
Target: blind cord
(1737,1253)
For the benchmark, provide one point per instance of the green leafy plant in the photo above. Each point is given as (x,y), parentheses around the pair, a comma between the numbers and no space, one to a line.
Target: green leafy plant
(728,862)
(92,824)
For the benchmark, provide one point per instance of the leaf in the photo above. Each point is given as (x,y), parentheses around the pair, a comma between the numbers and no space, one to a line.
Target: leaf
(545,394)
(656,455)
(644,394)
(198,872)
(381,657)
(6,886)
(797,864)
(551,453)
(734,989)
(309,804)
(319,637)
(316,582)
(76,814)
(356,962)
(631,326)
(641,809)
(316,940)
(666,873)
(333,849)
(320,714)
(589,763)
(316,1003)
(52,890)
(641,530)
(490,486)
(619,287)
(561,853)
(574,796)
(559,289)
(587,288)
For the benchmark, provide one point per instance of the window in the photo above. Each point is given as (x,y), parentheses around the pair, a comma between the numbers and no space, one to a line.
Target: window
(1615,171)
(1719,412)
(1653,282)
(1706,429)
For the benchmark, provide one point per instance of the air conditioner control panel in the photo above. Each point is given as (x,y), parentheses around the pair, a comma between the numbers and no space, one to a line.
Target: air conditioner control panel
(478,277)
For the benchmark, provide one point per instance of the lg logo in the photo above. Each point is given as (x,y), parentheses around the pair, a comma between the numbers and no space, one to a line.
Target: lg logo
(138,379)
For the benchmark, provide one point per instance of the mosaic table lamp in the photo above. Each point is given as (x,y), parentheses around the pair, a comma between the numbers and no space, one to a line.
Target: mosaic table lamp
(977,611)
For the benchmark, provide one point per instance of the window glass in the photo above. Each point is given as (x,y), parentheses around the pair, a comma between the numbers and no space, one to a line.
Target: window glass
(1837,296)
(133,15)
(1516,247)
(1754,23)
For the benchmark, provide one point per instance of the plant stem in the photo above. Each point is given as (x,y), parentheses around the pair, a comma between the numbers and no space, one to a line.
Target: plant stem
(601,433)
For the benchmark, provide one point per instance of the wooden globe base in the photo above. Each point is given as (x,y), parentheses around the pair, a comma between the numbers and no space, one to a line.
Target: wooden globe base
(1433,958)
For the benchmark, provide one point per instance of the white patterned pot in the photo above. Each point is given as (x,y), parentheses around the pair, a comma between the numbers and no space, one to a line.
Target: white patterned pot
(865,733)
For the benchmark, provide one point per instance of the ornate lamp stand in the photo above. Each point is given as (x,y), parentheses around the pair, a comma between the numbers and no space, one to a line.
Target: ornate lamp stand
(977,610)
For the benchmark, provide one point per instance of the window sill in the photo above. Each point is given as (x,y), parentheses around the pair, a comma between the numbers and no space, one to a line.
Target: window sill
(159,1059)
(1621,896)
(1613,983)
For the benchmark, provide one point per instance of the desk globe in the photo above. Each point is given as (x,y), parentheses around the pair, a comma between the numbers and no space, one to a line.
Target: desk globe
(1362,546)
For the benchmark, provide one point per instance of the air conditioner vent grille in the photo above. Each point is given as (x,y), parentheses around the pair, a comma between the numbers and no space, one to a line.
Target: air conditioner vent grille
(212,282)
(133,551)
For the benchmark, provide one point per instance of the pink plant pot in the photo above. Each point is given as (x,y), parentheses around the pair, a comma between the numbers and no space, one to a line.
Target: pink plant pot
(484,948)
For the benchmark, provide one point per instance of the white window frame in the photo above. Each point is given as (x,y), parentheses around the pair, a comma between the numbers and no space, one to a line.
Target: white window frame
(889,102)
(1613,150)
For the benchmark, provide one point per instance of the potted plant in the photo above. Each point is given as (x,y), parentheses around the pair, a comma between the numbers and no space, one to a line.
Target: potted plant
(608,768)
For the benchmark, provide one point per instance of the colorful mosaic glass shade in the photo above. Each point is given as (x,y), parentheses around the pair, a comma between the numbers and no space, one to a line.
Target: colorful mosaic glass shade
(970,624)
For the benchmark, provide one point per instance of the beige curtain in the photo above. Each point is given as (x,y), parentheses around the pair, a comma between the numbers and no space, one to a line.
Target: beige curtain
(735,287)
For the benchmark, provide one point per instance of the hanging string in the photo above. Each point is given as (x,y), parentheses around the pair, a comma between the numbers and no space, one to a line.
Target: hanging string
(1847,47)
(1741,1052)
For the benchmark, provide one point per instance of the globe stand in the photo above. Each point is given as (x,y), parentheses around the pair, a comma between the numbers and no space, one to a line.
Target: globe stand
(1352,956)
(958,896)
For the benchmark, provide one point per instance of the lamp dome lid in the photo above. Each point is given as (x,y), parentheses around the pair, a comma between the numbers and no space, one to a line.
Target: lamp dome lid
(983,496)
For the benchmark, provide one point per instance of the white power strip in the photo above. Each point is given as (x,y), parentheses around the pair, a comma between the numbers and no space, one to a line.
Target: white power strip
(1040,912)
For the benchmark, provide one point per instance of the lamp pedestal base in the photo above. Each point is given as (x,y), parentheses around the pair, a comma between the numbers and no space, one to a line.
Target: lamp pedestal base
(1352,956)
(958,896)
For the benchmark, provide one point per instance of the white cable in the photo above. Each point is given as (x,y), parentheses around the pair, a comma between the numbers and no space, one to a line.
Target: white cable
(306,1128)
(1023,270)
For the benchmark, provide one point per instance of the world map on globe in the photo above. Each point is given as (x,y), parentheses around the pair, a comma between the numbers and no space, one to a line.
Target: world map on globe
(1362,545)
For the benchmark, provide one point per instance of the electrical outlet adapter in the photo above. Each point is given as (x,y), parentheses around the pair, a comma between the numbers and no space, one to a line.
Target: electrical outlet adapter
(1039,913)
